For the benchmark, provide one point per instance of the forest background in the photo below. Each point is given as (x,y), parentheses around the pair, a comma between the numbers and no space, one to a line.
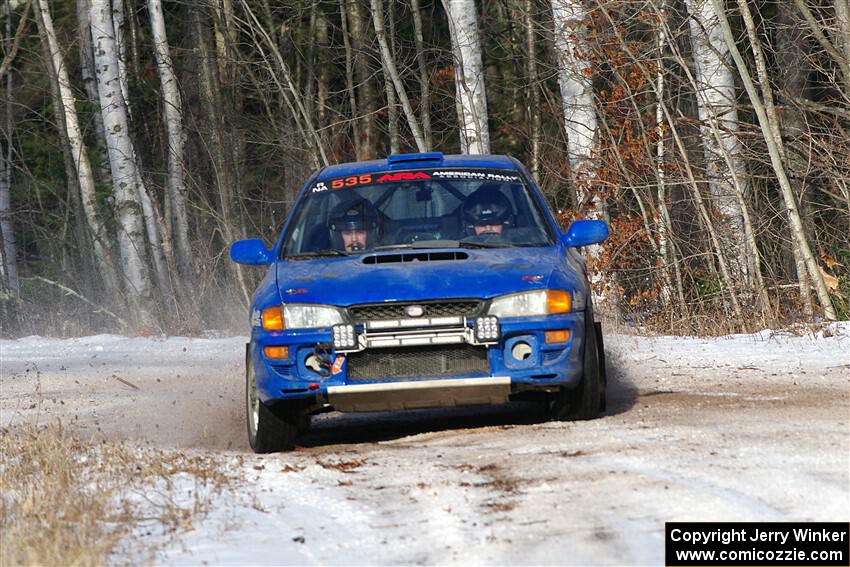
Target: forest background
(139,138)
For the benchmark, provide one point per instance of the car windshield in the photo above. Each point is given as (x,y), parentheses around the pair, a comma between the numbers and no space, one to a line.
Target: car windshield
(431,208)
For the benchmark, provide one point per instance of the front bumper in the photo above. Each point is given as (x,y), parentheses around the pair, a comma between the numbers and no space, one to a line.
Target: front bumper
(543,366)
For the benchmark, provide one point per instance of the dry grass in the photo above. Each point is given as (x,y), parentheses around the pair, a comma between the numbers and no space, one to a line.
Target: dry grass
(64,501)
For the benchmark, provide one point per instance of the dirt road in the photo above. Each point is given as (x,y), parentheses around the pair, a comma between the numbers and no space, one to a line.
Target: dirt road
(697,429)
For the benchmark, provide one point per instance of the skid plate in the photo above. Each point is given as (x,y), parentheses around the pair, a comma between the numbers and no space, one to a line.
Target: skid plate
(419,394)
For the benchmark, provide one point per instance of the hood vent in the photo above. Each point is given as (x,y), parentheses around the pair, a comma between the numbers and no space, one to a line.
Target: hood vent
(414,257)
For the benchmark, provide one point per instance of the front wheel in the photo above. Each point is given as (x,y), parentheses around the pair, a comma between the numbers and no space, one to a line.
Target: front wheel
(270,429)
(587,400)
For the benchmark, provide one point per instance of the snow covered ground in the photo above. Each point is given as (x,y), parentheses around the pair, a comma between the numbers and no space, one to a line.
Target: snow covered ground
(745,427)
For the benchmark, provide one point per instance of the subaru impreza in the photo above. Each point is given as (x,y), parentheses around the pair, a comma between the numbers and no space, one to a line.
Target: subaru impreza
(420,281)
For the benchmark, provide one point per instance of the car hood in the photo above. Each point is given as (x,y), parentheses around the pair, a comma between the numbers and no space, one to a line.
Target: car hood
(484,274)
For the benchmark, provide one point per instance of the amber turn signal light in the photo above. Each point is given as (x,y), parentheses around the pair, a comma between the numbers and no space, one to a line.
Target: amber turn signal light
(558,301)
(559,336)
(272,318)
(276,352)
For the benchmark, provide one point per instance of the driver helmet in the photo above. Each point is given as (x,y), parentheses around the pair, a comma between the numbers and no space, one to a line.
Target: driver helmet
(487,205)
(359,214)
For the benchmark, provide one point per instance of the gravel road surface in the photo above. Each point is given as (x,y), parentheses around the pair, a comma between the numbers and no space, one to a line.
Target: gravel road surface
(749,427)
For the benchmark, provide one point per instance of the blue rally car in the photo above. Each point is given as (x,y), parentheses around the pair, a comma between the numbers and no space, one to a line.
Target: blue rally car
(420,281)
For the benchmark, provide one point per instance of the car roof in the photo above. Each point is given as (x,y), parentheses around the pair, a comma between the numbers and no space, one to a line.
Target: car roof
(429,160)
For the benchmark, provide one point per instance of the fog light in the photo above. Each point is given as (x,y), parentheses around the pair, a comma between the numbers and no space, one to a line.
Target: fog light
(344,337)
(559,336)
(276,352)
(521,351)
(487,329)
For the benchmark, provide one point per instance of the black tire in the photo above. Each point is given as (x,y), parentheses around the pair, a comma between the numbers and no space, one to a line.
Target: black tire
(603,368)
(270,429)
(586,400)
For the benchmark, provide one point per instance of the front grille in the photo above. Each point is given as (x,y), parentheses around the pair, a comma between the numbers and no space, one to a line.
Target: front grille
(462,307)
(397,363)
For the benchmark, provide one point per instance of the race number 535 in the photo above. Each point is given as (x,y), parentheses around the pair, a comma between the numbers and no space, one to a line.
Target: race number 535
(350,181)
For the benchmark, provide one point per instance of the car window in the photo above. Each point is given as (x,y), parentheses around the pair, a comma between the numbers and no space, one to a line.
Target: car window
(361,213)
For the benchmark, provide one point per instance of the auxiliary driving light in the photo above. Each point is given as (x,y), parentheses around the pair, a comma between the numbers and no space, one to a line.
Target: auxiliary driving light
(487,329)
(344,337)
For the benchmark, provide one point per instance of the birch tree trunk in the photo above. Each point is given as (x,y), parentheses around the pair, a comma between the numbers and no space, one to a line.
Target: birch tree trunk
(570,18)
(663,215)
(118,24)
(90,82)
(469,76)
(9,264)
(392,112)
(125,177)
(842,32)
(574,80)
(173,116)
(768,123)
(738,181)
(79,153)
(715,90)
(158,250)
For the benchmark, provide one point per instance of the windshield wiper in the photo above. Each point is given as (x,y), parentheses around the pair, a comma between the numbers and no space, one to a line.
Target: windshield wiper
(484,245)
(419,244)
(440,244)
(318,254)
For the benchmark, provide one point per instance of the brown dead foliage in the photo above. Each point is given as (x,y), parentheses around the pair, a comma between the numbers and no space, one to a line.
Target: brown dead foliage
(342,466)
(66,501)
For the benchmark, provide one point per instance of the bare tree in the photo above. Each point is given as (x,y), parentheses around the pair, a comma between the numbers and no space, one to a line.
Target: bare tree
(79,152)
(471,98)
(296,102)
(389,64)
(366,100)
(424,83)
(122,161)
(533,99)
(718,113)
(172,108)
(349,80)
(574,80)
(769,124)
(8,247)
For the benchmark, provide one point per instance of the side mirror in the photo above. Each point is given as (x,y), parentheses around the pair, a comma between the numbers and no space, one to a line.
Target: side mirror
(584,232)
(252,252)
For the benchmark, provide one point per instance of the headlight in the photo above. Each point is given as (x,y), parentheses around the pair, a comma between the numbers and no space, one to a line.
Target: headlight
(532,303)
(308,316)
(300,316)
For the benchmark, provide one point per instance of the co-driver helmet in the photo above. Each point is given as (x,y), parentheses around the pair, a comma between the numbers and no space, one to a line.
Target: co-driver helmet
(487,205)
